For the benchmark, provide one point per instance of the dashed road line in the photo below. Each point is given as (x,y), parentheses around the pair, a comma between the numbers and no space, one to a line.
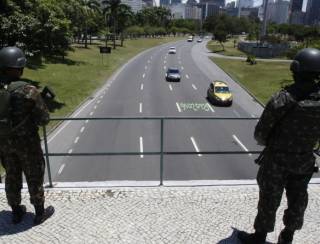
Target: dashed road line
(82,129)
(145,67)
(194,87)
(195,145)
(210,107)
(241,145)
(141,146)
(165,61)
(182,68)
(170,87)
(179,109)
(143,75)
(61,168)
(98,101)
(95,107)
(91,113)
(70,151)
(187,76)
(76,140)
(141,87)
(164,67)
(140,107)
(87,121)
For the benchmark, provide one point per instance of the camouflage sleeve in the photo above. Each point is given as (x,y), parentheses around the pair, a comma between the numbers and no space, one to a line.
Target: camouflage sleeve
(40,112)
(275,109)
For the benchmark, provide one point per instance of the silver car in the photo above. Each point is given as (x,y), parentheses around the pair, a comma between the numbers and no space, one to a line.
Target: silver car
(173,74)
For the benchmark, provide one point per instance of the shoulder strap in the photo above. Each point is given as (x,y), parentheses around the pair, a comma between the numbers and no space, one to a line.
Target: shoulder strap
(16,85)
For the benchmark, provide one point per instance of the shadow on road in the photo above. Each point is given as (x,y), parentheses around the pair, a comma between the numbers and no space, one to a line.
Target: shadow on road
(233,238)
(8,228)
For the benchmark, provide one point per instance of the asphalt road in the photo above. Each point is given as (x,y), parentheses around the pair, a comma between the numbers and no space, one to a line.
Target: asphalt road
(139,89)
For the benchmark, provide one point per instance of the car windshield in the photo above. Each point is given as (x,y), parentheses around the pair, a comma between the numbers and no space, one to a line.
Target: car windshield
(173,71)
(172,48)
(221,89)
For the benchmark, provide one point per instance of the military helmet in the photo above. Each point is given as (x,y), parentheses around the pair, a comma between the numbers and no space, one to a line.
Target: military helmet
(307,60)
(12,57)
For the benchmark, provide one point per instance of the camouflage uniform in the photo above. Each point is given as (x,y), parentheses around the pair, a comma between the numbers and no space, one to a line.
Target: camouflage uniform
(289,128)
(22,151)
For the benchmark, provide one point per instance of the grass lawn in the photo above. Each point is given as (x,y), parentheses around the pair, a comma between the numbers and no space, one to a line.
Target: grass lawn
(82,71)
(262,79)
(230,50)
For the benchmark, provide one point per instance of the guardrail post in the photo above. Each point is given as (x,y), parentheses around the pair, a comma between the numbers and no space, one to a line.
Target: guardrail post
(161,152)
(47,154)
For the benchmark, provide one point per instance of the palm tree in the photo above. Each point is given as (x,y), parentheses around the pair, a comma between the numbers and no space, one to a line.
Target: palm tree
(111,10)
(125,17)
(89,8)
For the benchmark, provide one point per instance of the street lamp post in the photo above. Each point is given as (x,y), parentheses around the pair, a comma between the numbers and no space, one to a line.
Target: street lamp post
(264,22)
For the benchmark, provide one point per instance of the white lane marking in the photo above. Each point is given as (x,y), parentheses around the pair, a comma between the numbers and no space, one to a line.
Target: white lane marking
(61,168)
(82,129)
(95,107)
(148,61)
(164,67)
(141,87)
(195,145)
(140,107)
(143,75)
(145,67)
(241,145)
(210,107)
(165,61)
(91,113)
(236,113)
(98,101)
(87,121)
(194,87)
(179,62)
(179,109)
(187,76)
(101,96)
(151,57)
(182,68)
(170,87)
(141,146)
(76,140)
(70,151)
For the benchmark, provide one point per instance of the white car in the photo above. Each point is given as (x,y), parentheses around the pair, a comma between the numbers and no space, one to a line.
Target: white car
(172,50)
(199,40)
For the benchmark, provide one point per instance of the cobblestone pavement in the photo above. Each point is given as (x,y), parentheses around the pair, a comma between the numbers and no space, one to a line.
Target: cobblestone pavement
(151,215)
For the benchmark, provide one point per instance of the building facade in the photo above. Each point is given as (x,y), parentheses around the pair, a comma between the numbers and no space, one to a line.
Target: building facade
(178,11)
(164,3)
(193,12)
(313,12)
(246,3)
(296,5)
(136,5)
(220,3)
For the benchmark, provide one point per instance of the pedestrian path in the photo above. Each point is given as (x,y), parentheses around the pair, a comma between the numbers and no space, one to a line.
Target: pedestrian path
(151,215)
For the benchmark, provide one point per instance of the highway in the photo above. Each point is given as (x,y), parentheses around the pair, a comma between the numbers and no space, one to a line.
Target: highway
(139,89)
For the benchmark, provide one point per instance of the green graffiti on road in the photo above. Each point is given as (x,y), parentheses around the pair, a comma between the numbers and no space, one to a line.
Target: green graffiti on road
(195,107)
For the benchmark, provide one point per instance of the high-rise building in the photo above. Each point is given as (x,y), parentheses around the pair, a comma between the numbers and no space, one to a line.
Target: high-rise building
(136,5)
(246,3)
(278,11)
(174,2)
(148,3)
(312,13)
(192,12)
(296,5)
(164,2)
(178,11)
(220,3)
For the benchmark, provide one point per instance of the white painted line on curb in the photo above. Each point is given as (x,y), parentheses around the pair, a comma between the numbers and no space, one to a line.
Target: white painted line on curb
(240,143)
(179,109)
(82,129)
(187,76)
(210,107)
(76,140)
(141,87)
(140,107)
(143,75)
(170,87)
(61,168)
(141,146)
(195,145)
(91,113)
(194,87)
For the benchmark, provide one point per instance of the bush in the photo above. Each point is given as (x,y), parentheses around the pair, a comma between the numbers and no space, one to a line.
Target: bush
(251,59)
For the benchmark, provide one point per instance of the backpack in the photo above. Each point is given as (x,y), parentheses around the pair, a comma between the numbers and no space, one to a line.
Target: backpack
(6,127)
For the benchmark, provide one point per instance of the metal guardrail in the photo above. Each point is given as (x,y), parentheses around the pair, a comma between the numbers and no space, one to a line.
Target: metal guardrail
(47,154)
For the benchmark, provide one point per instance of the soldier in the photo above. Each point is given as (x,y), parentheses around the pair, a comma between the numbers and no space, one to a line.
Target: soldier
(20,145)
(289,128)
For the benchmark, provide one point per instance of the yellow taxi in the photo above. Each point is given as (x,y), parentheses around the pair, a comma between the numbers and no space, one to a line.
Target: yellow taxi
(219,93)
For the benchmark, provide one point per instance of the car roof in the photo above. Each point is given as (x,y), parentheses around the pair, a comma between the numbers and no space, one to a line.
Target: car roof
(172,48)
(219,83)
(173,68)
